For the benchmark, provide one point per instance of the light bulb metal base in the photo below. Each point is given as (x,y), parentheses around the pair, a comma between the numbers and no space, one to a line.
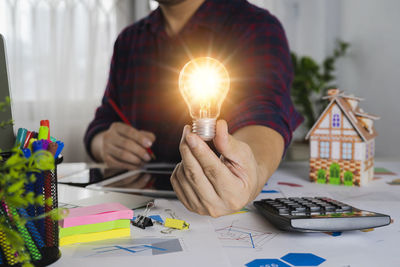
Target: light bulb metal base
(205,128)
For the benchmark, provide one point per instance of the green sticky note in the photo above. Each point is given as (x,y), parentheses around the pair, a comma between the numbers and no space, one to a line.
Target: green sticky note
(93,228)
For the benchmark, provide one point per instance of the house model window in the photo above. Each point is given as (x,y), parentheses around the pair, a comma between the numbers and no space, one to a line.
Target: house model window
(324,150)
(336,121)
(347,150)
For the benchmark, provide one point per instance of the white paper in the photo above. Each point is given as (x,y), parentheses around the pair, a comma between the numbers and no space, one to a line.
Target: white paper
(197,246)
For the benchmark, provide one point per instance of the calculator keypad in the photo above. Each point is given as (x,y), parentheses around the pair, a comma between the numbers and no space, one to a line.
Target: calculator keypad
(301,206)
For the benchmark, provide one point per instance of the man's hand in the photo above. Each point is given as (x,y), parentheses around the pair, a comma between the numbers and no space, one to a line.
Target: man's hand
(122,146)
(215,186)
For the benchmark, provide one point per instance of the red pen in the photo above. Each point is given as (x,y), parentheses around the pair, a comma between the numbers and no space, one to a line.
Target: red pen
(125,119)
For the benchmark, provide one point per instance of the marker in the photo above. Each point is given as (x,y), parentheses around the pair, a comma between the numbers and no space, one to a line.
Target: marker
(125,119)
(46,123)
(52,148)
(45,144)
(37,145)
(30,146)
(27,152)
(59,148)
(21,135)
(43,132)
(27,139)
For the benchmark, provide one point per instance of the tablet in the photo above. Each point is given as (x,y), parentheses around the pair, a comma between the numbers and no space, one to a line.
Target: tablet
(153,180)
(89,176)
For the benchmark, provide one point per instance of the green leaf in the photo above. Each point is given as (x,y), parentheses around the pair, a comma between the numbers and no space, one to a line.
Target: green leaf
(15,187)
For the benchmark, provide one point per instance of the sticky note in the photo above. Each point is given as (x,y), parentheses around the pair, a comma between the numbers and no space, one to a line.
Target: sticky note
(96,214)
(91,237)
(93,228)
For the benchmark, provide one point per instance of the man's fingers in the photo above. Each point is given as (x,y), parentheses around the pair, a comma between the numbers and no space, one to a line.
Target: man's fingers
(209,162)
(127,147)
(149,135)
(208,189)
(178,188)
(225,143)
(191,195)
(131,133)
(123,155)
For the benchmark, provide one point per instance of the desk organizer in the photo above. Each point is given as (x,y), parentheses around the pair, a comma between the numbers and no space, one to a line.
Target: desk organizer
(41,235)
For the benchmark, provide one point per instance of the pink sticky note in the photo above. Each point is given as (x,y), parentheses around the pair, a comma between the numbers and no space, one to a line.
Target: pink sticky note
(96,214)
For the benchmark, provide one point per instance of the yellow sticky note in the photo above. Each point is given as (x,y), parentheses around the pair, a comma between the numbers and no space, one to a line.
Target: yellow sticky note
(83,238)
(176,224)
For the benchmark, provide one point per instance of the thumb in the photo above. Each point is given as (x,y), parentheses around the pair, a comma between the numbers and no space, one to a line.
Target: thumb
(225,143)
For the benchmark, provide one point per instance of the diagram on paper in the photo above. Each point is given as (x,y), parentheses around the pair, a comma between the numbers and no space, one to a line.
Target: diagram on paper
(134,247)
(237,236)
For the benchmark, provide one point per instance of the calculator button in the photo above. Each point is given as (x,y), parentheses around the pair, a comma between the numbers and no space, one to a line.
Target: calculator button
(297,213)
(300,209)
(283,211)
(329,208)
(315,208)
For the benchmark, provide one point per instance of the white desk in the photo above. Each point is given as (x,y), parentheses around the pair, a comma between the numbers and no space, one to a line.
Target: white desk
(238,239)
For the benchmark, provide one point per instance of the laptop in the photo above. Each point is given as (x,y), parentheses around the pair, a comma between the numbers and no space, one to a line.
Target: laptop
(7,137)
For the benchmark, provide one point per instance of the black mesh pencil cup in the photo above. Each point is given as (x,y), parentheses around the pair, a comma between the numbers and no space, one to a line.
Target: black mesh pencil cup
(40,236)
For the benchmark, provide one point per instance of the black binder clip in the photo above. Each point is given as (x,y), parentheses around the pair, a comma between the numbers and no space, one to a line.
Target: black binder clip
(142,221)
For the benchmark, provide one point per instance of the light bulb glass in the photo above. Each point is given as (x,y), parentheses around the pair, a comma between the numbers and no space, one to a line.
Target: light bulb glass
(204,84)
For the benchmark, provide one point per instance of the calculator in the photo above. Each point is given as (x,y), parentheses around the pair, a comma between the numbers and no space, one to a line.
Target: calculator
(317,214)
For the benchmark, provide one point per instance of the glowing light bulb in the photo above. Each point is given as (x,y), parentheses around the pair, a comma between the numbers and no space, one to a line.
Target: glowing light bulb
(204,84)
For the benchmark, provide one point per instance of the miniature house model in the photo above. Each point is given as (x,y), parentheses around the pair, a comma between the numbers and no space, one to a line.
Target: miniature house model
(342,142)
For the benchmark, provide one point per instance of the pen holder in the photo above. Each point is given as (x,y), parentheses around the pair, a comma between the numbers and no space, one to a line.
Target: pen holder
(40,236)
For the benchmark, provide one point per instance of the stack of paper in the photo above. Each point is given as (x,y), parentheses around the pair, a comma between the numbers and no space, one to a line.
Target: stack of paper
(93,223)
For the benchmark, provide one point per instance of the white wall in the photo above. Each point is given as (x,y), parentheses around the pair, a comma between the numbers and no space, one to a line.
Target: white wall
(372,69)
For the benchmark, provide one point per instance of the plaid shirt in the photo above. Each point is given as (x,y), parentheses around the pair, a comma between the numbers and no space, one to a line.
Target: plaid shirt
(145,67)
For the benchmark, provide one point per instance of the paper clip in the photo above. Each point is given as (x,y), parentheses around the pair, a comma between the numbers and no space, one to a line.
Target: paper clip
(174,223)
(142,221)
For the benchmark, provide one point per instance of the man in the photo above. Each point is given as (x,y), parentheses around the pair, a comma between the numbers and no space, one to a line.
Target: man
(144,83)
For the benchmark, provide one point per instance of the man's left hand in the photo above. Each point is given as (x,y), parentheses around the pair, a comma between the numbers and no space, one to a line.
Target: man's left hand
(214,186)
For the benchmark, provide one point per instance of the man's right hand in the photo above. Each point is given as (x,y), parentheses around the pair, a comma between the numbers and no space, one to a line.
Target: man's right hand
(122,146)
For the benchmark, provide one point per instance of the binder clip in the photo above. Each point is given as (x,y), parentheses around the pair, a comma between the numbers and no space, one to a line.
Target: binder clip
(174,223)
(142,221)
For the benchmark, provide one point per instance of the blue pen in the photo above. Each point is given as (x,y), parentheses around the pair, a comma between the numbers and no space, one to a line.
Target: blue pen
(59,148)
(21,135)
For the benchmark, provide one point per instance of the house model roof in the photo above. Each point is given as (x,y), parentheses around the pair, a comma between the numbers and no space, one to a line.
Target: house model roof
(362,122)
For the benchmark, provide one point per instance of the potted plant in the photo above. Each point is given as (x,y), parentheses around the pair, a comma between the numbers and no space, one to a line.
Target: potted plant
(311,82)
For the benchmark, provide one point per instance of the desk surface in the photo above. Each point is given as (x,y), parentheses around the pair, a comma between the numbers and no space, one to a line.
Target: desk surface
(242,238)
